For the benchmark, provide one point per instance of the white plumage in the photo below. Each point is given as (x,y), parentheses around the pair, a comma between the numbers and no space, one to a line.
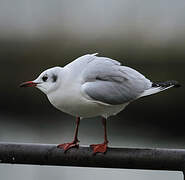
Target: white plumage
(94,86)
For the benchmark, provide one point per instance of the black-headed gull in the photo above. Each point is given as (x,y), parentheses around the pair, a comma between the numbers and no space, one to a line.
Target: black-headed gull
(94,86)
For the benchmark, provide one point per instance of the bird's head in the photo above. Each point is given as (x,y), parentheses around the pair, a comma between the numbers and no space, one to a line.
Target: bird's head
(47,81)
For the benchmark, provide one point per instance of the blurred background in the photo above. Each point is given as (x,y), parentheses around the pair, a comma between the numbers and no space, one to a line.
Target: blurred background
(38,34)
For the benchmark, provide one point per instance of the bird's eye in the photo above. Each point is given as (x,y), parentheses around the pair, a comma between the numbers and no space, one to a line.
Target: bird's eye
(44,78)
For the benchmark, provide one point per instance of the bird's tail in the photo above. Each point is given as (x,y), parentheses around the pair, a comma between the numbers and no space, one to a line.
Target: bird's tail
(160,86)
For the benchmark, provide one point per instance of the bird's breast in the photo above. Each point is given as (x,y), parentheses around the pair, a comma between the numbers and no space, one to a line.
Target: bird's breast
(71,101)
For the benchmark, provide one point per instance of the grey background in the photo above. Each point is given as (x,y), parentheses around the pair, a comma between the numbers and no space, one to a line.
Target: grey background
(38,34)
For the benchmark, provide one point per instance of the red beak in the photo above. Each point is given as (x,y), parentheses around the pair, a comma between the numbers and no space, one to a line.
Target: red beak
(28,84)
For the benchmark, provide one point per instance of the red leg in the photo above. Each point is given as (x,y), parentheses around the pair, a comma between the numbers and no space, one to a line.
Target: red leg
(74,143)
(101,147)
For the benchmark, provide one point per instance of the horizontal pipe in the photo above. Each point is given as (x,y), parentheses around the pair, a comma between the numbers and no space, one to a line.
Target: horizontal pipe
(132,158)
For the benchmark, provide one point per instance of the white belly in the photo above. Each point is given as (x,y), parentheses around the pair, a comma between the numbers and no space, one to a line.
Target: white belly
(78,105)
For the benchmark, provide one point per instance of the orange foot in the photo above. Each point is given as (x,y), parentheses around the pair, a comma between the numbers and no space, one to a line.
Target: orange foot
(67,146)
(102,148)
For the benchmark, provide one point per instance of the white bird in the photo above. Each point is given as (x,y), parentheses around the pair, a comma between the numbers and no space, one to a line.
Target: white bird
(94,86)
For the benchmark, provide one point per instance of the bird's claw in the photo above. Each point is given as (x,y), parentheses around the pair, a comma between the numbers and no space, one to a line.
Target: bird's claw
(102,148)
(67,146)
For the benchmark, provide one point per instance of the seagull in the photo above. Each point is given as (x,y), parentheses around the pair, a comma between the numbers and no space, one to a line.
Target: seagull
(93,86)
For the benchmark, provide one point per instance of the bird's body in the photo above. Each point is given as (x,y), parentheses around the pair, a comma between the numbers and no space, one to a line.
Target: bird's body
(82,107)
(94,86)
(91,72)
(71,97)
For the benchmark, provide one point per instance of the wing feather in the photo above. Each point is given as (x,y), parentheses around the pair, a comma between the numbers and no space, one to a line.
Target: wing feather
(105,80)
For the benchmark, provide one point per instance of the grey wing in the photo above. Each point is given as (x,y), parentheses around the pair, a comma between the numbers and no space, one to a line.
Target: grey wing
(108,82)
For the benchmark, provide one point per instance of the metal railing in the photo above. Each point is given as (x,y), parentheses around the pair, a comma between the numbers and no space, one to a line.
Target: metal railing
(131,158)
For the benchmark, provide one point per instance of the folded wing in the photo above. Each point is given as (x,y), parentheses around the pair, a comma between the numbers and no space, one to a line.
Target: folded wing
(106,81)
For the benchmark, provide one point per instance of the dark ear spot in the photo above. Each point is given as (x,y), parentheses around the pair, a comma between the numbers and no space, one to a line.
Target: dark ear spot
(54,77)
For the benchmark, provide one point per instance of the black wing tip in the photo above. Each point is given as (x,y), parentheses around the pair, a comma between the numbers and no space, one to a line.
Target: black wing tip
(165,84)
(177,85)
